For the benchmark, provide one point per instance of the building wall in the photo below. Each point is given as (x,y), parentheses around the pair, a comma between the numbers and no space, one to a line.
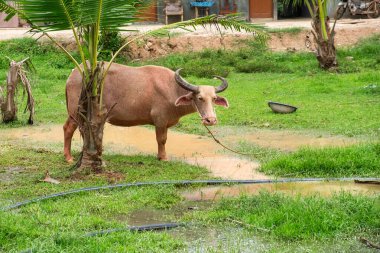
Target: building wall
(189,12)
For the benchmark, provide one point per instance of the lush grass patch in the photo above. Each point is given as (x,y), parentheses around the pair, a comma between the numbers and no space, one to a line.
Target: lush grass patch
(338,103)
(333,103)
(358,160)
(59,225)
(299,218)
(253,57)
(21,169)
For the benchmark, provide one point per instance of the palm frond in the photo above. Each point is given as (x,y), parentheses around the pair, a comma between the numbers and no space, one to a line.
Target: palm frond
(110,14)
(233,22)
(8,9)
(55,15)
(50,15)
(11,11)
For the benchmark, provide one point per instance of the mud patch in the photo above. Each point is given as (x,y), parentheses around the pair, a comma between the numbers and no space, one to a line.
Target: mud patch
(193,149)
(229,167)
(9,173)
(291,141)
(303,188)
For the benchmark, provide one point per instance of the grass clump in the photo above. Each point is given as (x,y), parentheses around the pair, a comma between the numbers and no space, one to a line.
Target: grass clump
(300,218)
(22,168)
(358,160)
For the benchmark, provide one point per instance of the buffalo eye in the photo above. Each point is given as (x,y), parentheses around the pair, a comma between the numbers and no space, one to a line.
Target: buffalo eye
(200,98)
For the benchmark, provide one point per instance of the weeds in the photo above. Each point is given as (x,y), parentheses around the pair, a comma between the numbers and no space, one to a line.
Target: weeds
(300,218)
(358,160)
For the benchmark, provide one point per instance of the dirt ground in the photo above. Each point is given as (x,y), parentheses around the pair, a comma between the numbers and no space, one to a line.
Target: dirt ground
(348,32)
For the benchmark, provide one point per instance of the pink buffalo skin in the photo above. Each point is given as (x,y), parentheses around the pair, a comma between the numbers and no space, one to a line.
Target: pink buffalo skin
(140,96)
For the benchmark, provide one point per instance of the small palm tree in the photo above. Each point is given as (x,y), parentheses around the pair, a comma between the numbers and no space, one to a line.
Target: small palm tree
(322,32)
(86,19)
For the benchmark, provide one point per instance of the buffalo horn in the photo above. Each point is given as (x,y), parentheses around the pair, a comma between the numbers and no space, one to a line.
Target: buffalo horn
(223,86)
(184,84)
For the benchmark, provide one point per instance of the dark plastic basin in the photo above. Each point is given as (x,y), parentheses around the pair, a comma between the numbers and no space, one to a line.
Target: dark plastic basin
(281,108)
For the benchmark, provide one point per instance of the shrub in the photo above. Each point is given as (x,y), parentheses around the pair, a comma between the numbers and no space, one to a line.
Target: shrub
(110,42)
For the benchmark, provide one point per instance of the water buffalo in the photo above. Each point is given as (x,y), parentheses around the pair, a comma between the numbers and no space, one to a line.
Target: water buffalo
(146,95)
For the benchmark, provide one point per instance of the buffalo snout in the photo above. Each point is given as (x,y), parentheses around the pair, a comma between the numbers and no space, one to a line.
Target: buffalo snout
(210,121)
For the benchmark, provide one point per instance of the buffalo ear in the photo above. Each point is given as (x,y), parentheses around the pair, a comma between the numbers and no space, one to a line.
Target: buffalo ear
(221,101)
(184,100)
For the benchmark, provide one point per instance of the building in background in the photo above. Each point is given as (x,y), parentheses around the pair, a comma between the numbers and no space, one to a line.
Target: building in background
(250,9)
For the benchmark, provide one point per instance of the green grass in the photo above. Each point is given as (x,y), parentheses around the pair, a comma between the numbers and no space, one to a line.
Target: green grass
(299,218)
(31,165)
(288,30)
(345,102)
(59,225)
(354,161)
(337,103)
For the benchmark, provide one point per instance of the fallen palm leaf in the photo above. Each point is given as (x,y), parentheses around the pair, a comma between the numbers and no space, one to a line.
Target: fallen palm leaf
(48,179)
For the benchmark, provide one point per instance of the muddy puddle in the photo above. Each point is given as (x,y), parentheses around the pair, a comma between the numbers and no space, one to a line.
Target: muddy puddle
(291,141)
(203,198)
(155,216)
(194,149)
(233,237)
(302,188)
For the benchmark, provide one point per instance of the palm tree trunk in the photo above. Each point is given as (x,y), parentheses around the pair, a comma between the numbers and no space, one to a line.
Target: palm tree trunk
(91,121)
(326,51)
(9,108)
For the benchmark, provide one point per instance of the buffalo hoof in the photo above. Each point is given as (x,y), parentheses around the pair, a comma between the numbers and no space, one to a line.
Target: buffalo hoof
(70,160)
(162,158)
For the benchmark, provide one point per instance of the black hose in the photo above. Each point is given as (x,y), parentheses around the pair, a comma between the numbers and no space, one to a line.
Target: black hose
(142,228)
(179,183)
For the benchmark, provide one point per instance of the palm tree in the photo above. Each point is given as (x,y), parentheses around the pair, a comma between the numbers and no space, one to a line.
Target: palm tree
(322,33)
(86,19)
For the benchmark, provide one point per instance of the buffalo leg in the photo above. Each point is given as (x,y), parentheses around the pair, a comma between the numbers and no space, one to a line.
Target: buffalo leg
(161,136)
(68,129)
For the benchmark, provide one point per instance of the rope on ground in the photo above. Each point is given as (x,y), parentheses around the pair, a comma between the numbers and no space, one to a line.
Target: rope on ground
(224,146)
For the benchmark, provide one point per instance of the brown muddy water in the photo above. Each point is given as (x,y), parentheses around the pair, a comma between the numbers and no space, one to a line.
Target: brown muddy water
(286,140)
(234,238)
(295,188)
(193,149)
(190,148)
(204,197)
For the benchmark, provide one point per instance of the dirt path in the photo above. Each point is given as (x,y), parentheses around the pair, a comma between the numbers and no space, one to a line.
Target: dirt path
(193,149)
(348,32)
